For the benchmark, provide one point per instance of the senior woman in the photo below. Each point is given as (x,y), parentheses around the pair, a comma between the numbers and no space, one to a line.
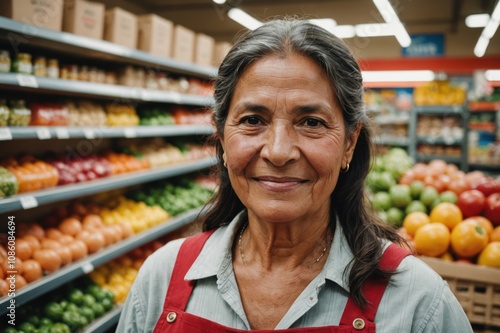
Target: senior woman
(290,242)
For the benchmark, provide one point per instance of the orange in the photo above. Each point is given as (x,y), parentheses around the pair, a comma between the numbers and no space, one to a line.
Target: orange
(484,222)
(495,234)
(413,221)
(447,213)
(490,256)
(468,239)
(447,256)
(432,239)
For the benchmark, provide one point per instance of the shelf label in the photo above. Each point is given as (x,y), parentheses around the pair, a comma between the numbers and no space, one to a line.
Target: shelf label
(62,133)
(89,133)
(87,267)
(130,132)
(28,202)
(43,133)
(5,134)
(27,81)
(145,95)
(176,97)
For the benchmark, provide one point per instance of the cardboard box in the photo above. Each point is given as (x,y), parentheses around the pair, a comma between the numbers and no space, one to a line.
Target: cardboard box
(120,27)
(84,18)
(183,47)
(155,35)
(204,50)
(220,51)
(46,14)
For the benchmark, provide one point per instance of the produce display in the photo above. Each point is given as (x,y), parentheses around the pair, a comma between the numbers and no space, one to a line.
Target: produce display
(8,183)
(48,114)
(32,174)
(70,309)
(439,93)
(121,115)
(80,169)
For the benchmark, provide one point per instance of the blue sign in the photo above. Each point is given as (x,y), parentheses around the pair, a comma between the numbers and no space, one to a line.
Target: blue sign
(425,45)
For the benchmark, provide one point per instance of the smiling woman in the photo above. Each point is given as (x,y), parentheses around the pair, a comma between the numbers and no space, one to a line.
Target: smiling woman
(290,242)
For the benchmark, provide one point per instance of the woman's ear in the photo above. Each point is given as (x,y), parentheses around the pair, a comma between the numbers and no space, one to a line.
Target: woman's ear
(351,143)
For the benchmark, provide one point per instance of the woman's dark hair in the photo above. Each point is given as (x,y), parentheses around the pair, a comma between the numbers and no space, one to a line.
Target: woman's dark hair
(361,226)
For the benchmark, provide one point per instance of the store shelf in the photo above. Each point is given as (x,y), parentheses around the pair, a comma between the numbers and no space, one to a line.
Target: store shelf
(440,141)
(441,110)
(485,167)
(392,140)
(484,106)
(60,132)
(106,322)
(87,264)
(59,193)
(90,89)
(447,159)
(94,48)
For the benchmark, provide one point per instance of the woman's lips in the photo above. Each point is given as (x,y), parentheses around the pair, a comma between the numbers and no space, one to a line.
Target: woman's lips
(279,183)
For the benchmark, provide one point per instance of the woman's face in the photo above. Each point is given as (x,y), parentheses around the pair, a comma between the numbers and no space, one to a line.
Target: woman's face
(284,139)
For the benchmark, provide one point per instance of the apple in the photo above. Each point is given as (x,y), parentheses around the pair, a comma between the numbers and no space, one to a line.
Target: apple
(400,195)
(415,206)
(448,196)
(471,202)
(429,195)
(492,209)
(416,188)
(487,185)
(395,216)
(381,201)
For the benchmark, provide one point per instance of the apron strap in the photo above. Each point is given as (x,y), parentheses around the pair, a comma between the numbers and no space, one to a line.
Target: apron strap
(373,289)
(180,289)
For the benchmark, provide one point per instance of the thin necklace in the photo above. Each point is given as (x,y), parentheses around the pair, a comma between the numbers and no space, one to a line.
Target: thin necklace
(242,255)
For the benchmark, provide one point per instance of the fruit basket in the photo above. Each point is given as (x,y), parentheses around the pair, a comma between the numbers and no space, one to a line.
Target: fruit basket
(477,288)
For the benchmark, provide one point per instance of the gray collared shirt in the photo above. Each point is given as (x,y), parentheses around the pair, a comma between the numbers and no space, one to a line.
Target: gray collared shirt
(417,299)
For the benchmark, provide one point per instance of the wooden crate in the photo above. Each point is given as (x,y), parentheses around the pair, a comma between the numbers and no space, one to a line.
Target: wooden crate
(477,288)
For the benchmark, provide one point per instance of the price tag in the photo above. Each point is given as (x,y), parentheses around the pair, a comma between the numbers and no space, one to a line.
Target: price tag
(28,202)
(89,133)
(145,95)
(176,97)
(43,133)
(5,134)
(27,81)
(62,133)
(130,132)
(87,267)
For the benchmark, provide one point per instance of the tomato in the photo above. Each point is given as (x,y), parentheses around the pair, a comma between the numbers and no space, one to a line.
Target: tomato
(447,213)
(468,239)
(490,256)
(413,221)
(432,239)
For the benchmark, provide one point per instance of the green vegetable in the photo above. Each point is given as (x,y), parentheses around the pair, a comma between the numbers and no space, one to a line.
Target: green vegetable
(53,310)
(98,309)
(8,183)
(87,312)
(27,327)
(60,328)
(44,321)
(76,296)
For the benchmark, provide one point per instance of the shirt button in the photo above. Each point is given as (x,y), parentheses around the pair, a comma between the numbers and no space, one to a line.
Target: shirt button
(358,323)
(171,316)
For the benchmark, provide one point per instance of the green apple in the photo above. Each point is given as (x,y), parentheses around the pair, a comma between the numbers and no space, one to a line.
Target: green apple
(395,216)
(415,206)
(416,188)
(429,195)
(381,201)
(400,195)
(448,196)
(383,215)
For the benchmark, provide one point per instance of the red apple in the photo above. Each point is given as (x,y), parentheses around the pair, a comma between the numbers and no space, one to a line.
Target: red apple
(471,202)
(492,209)
(487,185)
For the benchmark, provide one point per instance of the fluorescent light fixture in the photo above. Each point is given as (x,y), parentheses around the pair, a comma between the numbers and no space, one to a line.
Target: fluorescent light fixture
(387,11)
(374,30)
(496,12)
(326,23)
(344,31)
(243,18)
(492,74)
(490,29)
(481,45)
(398,76)
(477,20)
(219,2)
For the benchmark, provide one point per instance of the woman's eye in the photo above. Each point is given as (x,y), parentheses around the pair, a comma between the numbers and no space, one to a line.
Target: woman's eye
(312,122)
(251,120)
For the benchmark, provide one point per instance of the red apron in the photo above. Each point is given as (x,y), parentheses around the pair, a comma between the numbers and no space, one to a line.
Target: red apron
(175,320)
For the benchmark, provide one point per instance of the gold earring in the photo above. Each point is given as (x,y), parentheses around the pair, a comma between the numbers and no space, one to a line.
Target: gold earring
(345,169)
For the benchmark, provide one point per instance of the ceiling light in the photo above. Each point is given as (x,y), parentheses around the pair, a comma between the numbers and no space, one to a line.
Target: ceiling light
(398,76)
(344,31)
(243,18)
(477,20)
(387,11)
(492,75)
(496,12)
(326,23)
(219,2)
(374,30)
(481,45)
(490,29)
(488,32)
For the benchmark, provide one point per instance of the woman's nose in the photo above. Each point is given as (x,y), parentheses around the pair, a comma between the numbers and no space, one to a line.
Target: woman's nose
(280,145)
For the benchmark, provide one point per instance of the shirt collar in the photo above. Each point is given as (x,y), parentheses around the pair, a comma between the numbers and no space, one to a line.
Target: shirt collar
(218,251)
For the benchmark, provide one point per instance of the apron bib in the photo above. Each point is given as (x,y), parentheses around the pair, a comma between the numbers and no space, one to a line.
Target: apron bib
(174,319)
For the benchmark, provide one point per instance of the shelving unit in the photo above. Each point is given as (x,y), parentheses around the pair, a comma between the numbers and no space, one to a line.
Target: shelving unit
(71,45)
(460,112)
